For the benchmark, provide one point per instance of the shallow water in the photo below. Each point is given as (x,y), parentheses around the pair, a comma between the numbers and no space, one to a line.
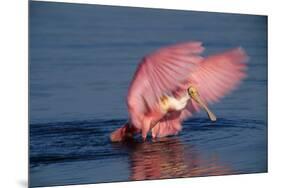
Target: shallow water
(201,149)
(82,58)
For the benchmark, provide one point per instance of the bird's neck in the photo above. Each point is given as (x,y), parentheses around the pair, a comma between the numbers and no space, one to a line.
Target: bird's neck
(178,103)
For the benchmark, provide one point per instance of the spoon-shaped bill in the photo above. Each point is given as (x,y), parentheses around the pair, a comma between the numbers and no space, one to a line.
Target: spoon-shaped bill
(205,107)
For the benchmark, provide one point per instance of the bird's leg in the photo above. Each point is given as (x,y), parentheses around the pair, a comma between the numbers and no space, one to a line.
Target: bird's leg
(144,132)
(149,122)
(145,128)
(153,133)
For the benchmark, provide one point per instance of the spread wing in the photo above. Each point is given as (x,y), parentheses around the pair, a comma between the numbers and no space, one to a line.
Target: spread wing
(162,72)
(217,76)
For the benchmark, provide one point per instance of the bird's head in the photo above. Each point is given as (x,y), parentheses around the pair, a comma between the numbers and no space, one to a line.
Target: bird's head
(194,94)
(192,91)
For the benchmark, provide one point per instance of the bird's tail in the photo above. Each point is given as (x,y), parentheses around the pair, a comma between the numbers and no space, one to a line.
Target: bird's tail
(123,133)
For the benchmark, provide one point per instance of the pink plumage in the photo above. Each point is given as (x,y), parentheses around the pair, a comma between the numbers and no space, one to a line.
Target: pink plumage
(170,71)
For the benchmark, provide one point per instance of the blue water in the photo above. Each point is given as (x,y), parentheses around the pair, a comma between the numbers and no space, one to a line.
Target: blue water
(82,59)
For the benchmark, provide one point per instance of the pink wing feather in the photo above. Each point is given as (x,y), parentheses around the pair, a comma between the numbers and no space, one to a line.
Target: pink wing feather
(160,73)
(217,76)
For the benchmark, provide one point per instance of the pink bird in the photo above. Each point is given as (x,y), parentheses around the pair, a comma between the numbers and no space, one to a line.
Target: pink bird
(173,82)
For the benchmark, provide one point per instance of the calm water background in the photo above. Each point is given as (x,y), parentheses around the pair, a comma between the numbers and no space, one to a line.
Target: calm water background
(82,58)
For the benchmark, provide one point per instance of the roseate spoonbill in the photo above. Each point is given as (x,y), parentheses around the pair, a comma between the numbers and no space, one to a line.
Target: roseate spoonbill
(173,82)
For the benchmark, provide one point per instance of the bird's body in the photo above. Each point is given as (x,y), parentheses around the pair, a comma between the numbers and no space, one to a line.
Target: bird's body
(174,82)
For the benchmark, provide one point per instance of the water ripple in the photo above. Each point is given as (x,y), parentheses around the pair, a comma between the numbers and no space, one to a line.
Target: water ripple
(88,140)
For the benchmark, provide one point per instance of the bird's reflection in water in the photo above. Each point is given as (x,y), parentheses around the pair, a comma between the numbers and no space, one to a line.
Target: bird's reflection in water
(169,158)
